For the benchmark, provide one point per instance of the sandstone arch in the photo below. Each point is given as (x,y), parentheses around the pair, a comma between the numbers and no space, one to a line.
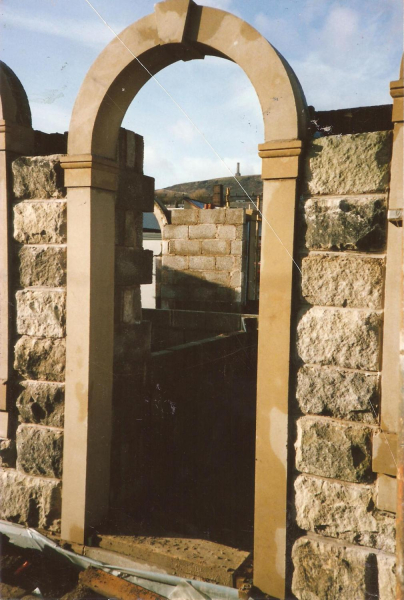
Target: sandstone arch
(178,30)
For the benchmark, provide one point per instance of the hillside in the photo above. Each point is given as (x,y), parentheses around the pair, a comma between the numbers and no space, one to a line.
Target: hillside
(203,190)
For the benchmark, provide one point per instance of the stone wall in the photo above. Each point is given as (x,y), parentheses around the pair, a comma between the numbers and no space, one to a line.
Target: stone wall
(204,260)
(348,548)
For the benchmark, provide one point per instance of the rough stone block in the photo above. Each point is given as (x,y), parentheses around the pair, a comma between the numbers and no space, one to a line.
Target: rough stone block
(226,232)
(42,266)
(41,358)
(40,222)
(185,247)
(175,232)
(347,164)
(340,337)
(133,229)
(236,247)
(202,263)
(40,451)
(133,266)
(327,570)
(215,247)
(38,177)
(206,231)
(225,263)
(353,223)
(42,403)
(342,280)
(135,191)
(132,345)
(235,216)
(41,313)
(386,566)
(31,501)
(334,449)
(8,453)
(216,215)
(348,395)
(343,510)
(131,306)
(179,216)
(175,262)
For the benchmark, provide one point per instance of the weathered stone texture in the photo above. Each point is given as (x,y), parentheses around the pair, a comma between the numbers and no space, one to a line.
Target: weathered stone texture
(333,449)
(386,565)
(343,510)
(40,358)
(348,164)
(340,337)
(42,403)
(135,191)
(343,280)
(8,453)
(133,266)
(30,500)
(324,570)
(40,222)
(42,266)
(40,451)
(132,346)
(41,313)
(349,395)
(352,223)
(38,177)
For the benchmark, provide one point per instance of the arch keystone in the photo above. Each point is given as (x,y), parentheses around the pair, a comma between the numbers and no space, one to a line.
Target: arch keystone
(172,17)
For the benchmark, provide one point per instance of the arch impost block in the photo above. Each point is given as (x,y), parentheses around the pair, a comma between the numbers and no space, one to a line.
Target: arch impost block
(397,93)
(280,159)
(172,18)
(16,138)
(88,170)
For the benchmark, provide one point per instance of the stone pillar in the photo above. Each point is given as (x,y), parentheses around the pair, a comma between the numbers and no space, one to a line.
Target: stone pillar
(91,183)
(279,172)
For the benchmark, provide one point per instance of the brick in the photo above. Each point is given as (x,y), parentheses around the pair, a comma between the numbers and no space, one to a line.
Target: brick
(185,247)
(333,449)
(350,223)
(175,262)
(179,216)
(175,232)
(342,280)
(202,263)
(32,501)
(215,247)
(215,216)
(226,232)
(40,222)
(224,263)
(344,338)
(38,177)
(357,163)
(41,313)
(42,266)
(41,403)
(343,510)
(349,395)
(236,248)
(40,451)
(205,231)
(235,216)
(40,358)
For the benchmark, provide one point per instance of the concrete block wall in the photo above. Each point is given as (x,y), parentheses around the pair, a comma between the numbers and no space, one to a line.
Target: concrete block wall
(204,260)
(348,548)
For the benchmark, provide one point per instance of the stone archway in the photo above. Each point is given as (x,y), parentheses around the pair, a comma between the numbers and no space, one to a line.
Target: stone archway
(177,30)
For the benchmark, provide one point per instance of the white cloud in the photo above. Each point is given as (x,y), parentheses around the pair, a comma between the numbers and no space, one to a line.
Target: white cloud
(183,130)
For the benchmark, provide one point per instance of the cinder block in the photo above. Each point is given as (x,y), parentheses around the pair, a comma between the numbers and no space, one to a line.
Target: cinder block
(226,232)
(236,247)
(175,262)
(42,266)
(185,247)
(236,279)
(334,449)
(175,232)
(217,277)
(179,216)
(205,231)
(241,232)
(40,222)
(215,247)
(339,337)
(225,263)
(202,263)
(235,216)
(214,216)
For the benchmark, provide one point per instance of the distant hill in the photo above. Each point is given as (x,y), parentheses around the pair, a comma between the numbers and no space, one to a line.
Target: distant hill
(203,190)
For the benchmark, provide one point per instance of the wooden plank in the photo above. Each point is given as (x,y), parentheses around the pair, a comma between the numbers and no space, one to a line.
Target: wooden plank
(113,587)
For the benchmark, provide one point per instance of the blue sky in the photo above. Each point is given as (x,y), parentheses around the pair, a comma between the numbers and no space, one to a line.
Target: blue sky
(344,52)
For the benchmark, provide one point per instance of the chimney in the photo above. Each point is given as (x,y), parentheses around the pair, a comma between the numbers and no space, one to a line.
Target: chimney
(238,174)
